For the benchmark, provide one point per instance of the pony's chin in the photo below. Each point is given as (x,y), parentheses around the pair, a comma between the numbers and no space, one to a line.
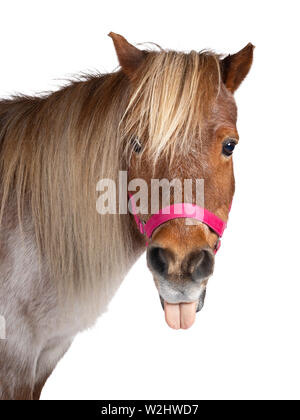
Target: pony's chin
(199,306)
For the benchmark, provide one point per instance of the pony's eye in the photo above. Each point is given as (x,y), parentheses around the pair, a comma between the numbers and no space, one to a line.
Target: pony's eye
(228,147)
(137,146)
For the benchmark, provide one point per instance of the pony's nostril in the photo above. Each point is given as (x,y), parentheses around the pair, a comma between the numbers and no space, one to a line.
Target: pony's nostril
(158,260)
(201,264)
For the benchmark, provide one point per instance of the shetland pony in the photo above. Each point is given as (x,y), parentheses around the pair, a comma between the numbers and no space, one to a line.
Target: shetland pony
(163,114)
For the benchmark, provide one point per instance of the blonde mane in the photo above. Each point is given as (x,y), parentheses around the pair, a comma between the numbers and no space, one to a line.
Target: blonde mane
(54,149)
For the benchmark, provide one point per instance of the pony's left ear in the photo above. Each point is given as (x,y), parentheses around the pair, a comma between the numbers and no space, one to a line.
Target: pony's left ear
(236,67)
(129,56)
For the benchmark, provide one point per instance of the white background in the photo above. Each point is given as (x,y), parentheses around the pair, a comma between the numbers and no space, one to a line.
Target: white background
(245,343)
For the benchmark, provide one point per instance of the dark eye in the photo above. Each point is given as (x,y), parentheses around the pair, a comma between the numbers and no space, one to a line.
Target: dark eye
(137,146)
(228,147)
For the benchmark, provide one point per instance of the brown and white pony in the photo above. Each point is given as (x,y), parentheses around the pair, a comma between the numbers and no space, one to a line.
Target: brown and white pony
(60,261)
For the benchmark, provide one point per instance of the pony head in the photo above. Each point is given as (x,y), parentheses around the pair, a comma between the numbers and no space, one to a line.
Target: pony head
(180,124)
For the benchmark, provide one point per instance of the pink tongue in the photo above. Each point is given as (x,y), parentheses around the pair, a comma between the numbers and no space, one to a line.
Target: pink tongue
(180,315)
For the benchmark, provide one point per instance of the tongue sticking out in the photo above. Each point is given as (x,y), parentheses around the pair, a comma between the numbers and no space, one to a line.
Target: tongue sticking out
(180,315)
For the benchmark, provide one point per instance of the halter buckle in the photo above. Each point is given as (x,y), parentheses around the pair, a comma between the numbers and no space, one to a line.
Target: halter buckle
(142,227)
(217,245)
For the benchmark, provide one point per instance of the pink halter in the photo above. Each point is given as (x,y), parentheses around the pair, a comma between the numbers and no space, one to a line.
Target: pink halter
(178,211)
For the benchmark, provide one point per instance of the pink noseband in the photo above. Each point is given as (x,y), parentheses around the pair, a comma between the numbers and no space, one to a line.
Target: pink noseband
(178,211)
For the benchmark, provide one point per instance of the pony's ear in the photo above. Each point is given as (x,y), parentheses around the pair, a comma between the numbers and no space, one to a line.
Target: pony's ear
(129,56)
(236,67)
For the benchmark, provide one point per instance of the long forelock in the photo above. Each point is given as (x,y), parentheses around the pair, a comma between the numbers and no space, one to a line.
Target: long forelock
(170,101)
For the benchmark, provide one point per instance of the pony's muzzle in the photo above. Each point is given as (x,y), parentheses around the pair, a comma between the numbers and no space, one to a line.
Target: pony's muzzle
(196,266)
(181,281)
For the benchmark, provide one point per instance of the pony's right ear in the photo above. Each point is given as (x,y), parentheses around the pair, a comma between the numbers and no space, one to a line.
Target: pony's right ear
(129,56)
(236,67)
